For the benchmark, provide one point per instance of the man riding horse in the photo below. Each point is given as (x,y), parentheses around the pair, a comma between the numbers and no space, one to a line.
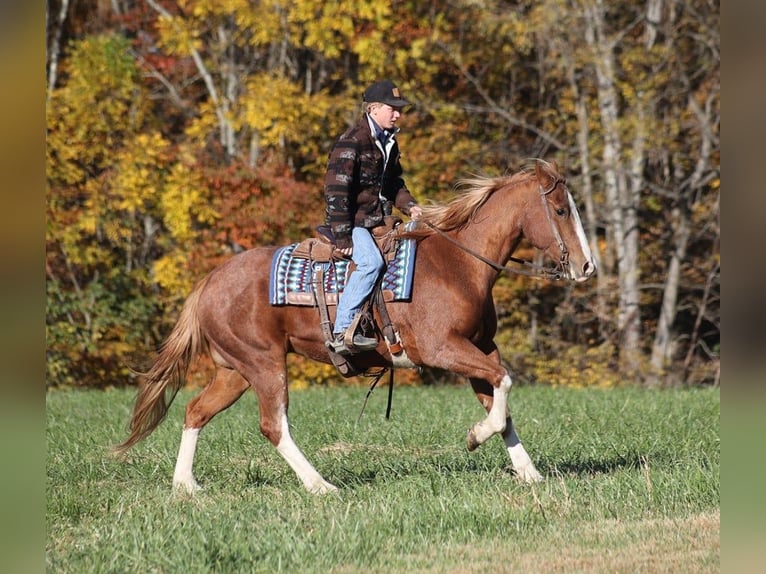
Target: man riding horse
(363,180)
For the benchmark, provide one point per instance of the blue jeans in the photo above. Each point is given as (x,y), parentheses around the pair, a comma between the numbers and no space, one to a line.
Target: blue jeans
(369,265)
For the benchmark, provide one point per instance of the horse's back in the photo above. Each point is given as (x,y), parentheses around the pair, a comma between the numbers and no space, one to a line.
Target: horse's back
(237,288)
(244,270)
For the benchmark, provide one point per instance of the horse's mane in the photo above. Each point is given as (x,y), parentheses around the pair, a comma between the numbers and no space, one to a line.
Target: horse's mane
(473,193)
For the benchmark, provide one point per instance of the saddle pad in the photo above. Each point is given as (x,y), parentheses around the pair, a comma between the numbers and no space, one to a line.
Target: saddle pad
(290,280)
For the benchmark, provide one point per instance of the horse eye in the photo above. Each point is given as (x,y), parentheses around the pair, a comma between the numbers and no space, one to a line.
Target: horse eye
(561,212)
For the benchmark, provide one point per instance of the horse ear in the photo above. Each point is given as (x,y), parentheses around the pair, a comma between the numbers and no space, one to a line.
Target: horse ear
(542,172)
(555,166)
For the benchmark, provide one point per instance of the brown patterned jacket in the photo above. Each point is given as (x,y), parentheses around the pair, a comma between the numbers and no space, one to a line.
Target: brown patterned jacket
(355,181)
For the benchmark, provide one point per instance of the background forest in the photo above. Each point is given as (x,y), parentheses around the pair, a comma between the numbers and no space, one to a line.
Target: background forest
(182,132)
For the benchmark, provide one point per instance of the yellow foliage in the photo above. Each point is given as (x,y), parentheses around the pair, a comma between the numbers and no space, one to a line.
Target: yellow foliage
(184,202)
(107,171)
(171,272)
(368,48)
(302,373)
(330,27)
(265,24)
(279,111)
(139,171)
(570,365)
(101,102)
(177,35)
(580,367)
(201,126)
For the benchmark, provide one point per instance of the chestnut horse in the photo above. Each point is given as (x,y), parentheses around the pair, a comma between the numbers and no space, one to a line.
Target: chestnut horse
(463,246)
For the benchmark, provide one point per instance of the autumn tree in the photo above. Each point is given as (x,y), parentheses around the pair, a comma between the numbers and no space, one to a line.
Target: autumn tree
(120,211)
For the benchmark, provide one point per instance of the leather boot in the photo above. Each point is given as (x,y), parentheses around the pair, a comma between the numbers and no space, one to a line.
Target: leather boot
(360,343)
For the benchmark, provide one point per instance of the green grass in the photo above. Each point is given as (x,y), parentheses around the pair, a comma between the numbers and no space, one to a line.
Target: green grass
(632,486)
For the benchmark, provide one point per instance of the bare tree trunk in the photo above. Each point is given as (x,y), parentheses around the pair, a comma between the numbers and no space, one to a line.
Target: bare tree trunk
(255,150)
(712,276)
(54,49)
(663,336)
(653,18)
(682,222)
(221,105)
(228,71)
(632,271)
(623,230)
(591,217)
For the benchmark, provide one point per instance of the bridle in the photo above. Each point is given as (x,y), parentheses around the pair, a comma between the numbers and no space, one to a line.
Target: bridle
(529,269)
(564,258)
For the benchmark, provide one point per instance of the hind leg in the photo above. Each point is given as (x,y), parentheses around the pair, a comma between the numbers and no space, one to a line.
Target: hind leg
(227,386)
(271,388)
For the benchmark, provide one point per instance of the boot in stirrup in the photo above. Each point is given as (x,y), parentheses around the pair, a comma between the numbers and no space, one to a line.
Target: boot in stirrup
(357,344)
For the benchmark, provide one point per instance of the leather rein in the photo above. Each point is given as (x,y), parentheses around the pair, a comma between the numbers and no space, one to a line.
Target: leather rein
(530,270)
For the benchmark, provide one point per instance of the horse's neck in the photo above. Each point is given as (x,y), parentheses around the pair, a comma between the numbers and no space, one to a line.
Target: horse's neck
(494,238)
(494,233)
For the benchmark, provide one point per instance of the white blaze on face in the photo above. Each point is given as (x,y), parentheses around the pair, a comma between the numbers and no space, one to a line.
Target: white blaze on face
(584,247)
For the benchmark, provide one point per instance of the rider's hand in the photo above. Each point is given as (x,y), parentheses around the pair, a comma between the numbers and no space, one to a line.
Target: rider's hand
(415,212)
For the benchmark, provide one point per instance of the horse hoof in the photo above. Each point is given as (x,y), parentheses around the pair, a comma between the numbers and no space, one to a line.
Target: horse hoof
(471,441)
(323,487)
(186,487)
(529,475)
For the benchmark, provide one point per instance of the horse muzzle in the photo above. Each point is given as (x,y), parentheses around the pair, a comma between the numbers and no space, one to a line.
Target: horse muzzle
(582,273)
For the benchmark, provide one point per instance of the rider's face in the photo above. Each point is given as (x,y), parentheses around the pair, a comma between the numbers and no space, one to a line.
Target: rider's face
(385,116)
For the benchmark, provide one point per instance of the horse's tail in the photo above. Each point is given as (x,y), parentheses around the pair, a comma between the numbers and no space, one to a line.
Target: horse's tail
(165,378)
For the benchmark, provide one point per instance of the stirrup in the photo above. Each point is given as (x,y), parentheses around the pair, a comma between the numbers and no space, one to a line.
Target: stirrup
(348,344)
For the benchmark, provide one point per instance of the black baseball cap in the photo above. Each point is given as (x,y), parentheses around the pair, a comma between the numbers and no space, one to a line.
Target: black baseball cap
(385,92)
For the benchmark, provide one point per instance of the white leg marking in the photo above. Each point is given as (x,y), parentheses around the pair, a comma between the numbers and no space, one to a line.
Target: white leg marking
(402,361)
(308,475)
(183,478)
(495,421)
(520,460)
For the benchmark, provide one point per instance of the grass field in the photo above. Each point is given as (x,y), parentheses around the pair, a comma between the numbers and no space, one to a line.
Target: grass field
(632,486)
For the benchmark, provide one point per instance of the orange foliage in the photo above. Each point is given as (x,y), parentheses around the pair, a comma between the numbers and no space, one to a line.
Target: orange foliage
(267,206)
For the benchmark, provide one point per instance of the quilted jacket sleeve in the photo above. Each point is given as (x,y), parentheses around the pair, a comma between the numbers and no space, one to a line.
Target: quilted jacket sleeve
(341,167)
(396,189)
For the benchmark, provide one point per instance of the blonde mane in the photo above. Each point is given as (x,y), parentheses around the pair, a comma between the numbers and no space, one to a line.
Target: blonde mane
(473,193)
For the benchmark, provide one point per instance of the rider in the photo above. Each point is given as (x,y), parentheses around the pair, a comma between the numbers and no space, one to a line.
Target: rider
(363,179)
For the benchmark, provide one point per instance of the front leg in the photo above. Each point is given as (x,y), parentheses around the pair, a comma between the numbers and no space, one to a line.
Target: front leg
(496,416)
(520,461)
(459,355)
(492,385)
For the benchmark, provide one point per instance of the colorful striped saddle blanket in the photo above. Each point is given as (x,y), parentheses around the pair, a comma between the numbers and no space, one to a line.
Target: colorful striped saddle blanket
(291,277)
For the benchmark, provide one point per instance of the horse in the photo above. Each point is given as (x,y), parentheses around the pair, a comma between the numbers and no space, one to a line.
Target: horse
(462,247)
